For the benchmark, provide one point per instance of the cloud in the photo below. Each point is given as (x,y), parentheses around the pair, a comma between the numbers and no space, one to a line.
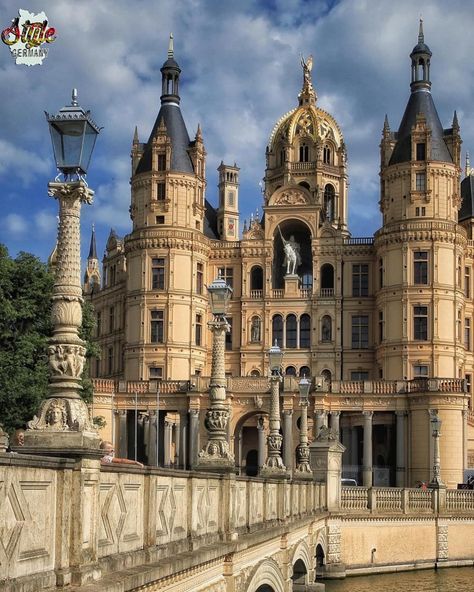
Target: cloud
(24,164)
(15,225)
(46,223)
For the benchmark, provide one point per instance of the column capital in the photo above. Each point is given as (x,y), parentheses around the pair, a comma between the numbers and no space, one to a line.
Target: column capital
(320,412)
(335,413)
(367,415)
(401,413)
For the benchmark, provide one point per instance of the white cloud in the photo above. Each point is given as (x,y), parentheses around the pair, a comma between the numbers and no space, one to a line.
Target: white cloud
(46,223)
(20,162)
(15,226)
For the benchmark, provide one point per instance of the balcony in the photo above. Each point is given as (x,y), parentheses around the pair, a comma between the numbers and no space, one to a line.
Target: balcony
(326,292)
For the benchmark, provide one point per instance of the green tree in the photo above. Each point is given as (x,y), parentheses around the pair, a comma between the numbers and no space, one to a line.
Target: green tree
(25,327)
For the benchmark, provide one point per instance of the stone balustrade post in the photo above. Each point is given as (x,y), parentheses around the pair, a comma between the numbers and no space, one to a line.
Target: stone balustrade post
(367,467)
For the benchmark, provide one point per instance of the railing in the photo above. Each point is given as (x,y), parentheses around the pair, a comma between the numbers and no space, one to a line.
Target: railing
(363,240)
(278,293)
(402,501)
(459,500)
(306,292)
(302,166)
(419,500)
(103,385)
(326,292)
(256,294)
(354,498)
(389,499)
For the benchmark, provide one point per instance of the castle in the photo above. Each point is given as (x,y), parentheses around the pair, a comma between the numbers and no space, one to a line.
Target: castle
(381,325)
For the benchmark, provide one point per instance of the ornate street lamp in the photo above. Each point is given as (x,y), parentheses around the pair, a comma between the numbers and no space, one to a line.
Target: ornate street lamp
(274,466)
(216,456)
(436,481)
(63,423)
(303,467)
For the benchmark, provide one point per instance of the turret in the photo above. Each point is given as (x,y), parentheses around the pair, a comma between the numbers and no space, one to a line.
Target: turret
(228,211)
(92,273)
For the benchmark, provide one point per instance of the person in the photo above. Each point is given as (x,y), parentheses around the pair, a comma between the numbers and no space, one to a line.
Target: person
(109,455)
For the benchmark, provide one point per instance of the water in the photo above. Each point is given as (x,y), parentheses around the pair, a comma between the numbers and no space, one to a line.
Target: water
(457,579)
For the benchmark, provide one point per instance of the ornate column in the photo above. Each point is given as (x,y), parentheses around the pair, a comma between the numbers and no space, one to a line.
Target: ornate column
(261,442)
(436,482)
(152,451)
(335,423)
(193,436)
(274,466)
(183,424)
(321,420)
(400,461)
(303,467)
(288,438)
(63,421)
(367,460)
(167,443)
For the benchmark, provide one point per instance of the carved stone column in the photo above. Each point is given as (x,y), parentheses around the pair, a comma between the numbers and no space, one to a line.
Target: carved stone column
(303,468)
(288,438)
(63,421)
(183,424)
(321,420)
(122,435)
(152,448)
(400,461)
(274,466)
(216,455)
(261,442)
(367,467)
(335,423)
(167,443)
(193,436)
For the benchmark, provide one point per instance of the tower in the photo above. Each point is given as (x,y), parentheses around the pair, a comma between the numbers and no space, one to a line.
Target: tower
(92,273)
(228,211)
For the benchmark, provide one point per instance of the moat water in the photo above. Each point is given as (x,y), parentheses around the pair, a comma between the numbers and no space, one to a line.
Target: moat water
(456,579)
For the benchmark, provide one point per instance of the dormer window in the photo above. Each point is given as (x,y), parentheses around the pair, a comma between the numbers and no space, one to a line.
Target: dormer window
(327,155)
(162,162)
(420,151)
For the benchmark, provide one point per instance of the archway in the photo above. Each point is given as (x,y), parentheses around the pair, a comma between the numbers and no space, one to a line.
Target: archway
(265,588)
(299,572)
(251,463)
(250,442)
(266,577)
(320,560)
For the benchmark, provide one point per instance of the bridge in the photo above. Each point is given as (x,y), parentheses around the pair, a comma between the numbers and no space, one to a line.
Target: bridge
(73,523)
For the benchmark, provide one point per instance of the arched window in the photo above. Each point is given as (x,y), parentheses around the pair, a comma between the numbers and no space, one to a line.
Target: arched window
(256,278)
(326,328)
(327,280)
(305,331)
(305,185)
(255,372)
(282,157)
(304,153)
(327,376)
(291,331)
(329,194)
(305,371)
(277,329)
(290,371)
(327,155)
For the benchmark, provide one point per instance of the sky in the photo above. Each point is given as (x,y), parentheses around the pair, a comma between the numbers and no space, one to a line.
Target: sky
(241,72)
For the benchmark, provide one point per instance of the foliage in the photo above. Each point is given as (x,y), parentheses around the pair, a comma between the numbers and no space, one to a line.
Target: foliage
(86,333)
(25,327)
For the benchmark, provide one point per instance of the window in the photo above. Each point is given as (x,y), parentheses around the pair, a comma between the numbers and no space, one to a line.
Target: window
(420,267)
(256,278)
(199,277)
(420,182)
(162,162)
(227,274)
(304,153)
(420,323)
(230,198)
(160,220)
(157,326)
(291,330)
(459,326)
(327,155)
(110,360)
(327,280)
(113,275)
(161,191)
(329,194)
(198,328)
(459,273)
(305,371)
(228,335)
(420,371)
(111,318)
(380,273)
(290,371)
(99,323)
(420,211)
(360,280)
(360,332)
(421,151)
(326,328)
(467,333)
(381,326)
(155,373)
(277,330)
(305,331)
(467,282)
(359,375)
(158,274)
(468,379)
(97,367)
(282,157)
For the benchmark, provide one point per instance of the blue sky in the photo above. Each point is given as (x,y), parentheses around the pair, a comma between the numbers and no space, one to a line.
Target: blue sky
(240,73)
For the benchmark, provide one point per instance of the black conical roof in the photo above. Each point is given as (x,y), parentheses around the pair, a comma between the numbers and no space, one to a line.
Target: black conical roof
(92,247)
(420,101)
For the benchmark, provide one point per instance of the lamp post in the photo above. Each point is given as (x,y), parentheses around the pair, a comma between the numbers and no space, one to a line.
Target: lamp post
(303,468)
(216,456)
(436,481)
(274,466)
(63,422)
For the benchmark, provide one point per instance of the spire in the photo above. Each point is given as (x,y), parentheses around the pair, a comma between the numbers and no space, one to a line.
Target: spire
(135,136)
(455,121)
(307,95)
(92,247)
(170,48)
(420,63)
(199,132)
(170,72)
(386,125)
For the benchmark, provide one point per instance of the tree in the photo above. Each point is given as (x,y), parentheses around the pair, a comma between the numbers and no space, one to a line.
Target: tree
(25,327)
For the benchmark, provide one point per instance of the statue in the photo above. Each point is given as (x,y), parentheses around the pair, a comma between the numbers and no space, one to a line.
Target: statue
(292,254)
(255,330)
(307,67)
(56,415)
